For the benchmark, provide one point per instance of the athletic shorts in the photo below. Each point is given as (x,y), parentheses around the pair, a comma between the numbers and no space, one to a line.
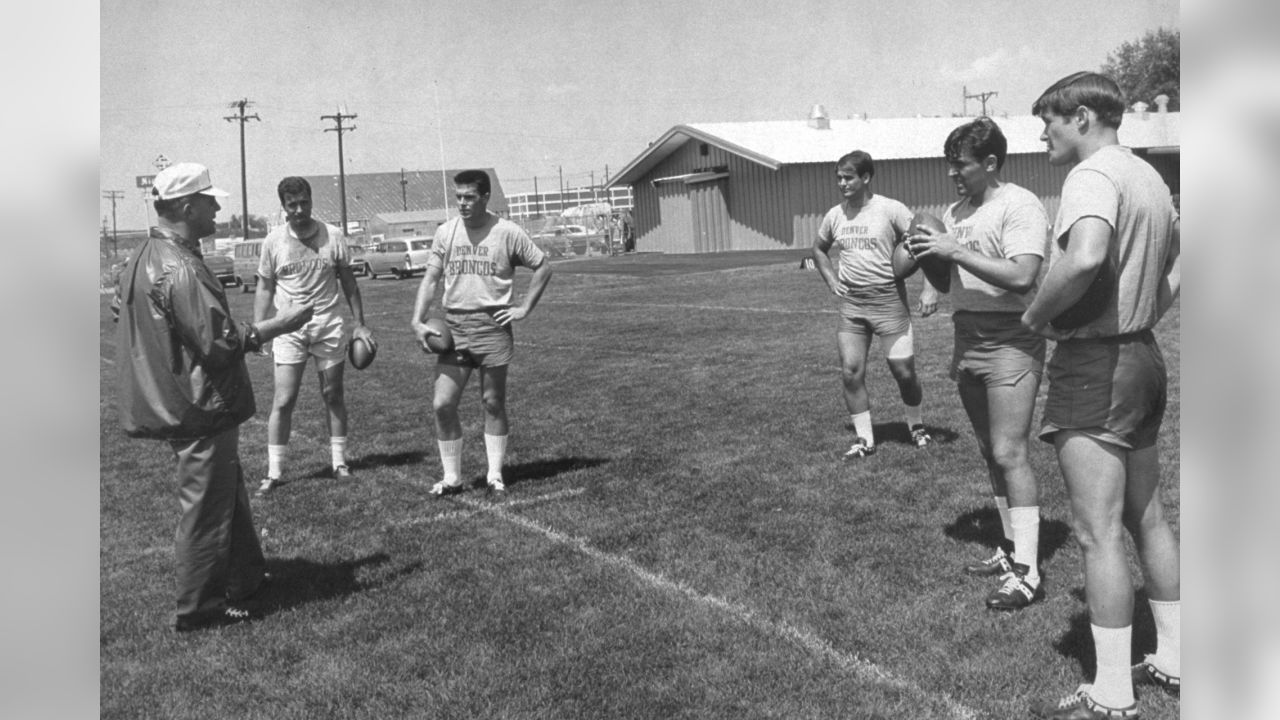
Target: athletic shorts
(323,338)
(875,310)
(1111,389)
(994,350)
(478,340)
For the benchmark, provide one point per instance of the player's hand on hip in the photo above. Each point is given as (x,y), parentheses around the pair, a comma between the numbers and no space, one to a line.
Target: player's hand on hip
(506,316)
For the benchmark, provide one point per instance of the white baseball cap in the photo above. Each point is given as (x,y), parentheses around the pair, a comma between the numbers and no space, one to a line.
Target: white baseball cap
(183,179)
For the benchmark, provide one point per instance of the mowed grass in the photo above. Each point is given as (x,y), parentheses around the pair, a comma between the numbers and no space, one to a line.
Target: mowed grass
(679,538)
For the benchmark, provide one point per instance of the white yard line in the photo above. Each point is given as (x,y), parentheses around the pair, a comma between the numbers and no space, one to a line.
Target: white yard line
(800,636)
(464,514)
(680,306)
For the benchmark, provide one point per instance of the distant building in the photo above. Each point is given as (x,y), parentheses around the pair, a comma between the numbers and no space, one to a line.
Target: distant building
(525,206)
(403,224)
(372,194)
(766,185)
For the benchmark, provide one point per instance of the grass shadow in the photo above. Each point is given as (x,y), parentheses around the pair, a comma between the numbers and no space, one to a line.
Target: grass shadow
(982,525)
(372,460)
(535,470)
(899,433)
(1077,642)
(297,581)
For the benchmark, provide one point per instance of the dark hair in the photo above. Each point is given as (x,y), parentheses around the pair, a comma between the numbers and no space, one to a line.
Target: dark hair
(479,178)
(861,162)
(1097,92)
(168,209)
(293,185)
(978,138)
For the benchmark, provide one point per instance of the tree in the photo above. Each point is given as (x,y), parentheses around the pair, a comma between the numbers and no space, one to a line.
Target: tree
(1147,67)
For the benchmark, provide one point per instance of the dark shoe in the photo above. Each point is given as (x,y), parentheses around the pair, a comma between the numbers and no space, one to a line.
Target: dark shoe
(919,436)
(229,615)
(1146,673)
(267,486)
(860,449)
(263,584)
(1015,591)
(999,564)
(342,472)
(443,488)
(1080,706)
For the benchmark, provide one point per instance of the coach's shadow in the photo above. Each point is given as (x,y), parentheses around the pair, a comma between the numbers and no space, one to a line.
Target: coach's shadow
(297,581)
(897,432)
(374,460)
(982,525)
(1077,642)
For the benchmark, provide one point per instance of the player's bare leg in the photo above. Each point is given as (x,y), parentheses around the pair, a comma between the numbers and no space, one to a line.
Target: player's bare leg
(853,349)
(287,380)
(332,392)
(450,381)
(493,392)
(1159,554)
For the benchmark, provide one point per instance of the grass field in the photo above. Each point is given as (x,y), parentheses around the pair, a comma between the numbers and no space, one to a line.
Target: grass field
(679,538)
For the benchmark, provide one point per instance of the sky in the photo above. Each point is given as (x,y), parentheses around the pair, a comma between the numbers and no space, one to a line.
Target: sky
(558,88)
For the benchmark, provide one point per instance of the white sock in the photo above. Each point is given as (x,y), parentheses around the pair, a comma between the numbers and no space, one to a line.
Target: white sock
(862,426)
(1168,617)
(451,460)
(915,415)
(495,446)
(1006,524)
(1025,523)
(1113,685)
(338,450)
(275,460)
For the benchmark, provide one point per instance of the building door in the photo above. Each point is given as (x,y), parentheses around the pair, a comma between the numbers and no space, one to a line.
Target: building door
(710,215)
(675,219)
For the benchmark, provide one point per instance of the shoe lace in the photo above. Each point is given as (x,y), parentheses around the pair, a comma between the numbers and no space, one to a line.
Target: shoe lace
(1074,698)
(1012,583)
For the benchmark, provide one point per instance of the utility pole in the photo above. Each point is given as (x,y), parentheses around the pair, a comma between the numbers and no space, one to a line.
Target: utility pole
(113,196)
(244,186)
(342,171)
(537,199)
(981,97)
(404,197)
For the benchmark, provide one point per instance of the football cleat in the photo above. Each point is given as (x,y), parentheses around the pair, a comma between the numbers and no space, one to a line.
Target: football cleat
(443,488)
(342,472)
(860,449)
(999,564)
(1080,705)
(229,615)
(920,437)
(267,486)
(496,484)
(1146,673)
(1015,591)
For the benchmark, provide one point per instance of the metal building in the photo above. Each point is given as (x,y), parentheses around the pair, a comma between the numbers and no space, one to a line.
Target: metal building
(717,187)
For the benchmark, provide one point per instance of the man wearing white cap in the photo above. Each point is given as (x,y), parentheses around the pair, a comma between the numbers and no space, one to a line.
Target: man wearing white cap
(182,379)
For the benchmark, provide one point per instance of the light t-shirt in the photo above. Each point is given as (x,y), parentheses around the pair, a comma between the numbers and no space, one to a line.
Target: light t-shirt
(1125,191)
(1011,221)
(304,273)
(478,265)
(866,236)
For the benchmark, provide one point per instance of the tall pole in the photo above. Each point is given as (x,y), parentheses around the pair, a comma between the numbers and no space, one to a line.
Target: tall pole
(404,197)
(244,185)
(342,167)
(537,199)
(444,181)
(982,97)
(113,196)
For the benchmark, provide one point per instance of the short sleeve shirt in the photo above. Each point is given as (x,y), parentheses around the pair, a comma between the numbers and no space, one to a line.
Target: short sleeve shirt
(1128,194)
(1011,221)
(304,272)
(866,236)
(478,266)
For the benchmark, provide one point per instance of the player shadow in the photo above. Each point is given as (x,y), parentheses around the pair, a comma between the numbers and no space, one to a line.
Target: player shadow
(371,461)
(1077,642)
(297,582)
(898,432)
(537,470)
(982,525)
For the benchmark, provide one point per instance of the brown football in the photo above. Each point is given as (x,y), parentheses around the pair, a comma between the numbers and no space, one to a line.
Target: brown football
(441,343)
(938,271)
(360,353)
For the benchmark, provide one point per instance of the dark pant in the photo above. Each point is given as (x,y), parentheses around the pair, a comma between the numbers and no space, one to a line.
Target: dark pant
(216,547)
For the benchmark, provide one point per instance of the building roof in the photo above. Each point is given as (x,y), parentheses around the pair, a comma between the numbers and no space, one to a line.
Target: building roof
(370,194)
(787,142)
(413,216)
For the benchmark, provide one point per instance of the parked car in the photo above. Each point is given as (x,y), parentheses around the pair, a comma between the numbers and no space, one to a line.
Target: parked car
(402,257)
(222,267)
(359,267)
(245,256)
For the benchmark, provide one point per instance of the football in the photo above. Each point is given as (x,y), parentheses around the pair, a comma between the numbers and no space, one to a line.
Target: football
(443,342)
(1094,301)
(938,271)
(360,353)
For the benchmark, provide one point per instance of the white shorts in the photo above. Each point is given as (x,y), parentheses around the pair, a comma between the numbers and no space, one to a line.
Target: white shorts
(323,338)
(899,346)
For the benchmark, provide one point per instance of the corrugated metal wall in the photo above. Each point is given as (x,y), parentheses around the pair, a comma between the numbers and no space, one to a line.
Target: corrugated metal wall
(770,210)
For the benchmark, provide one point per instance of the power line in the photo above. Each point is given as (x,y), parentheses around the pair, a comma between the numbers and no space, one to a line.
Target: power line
(244,186)
(342,172)
(982,97)
(113,196)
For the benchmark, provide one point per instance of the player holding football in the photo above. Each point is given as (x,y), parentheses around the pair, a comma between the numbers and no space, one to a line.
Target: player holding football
(996,238)
(307,261)
(476,254)
(1107,384)
(867,227)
